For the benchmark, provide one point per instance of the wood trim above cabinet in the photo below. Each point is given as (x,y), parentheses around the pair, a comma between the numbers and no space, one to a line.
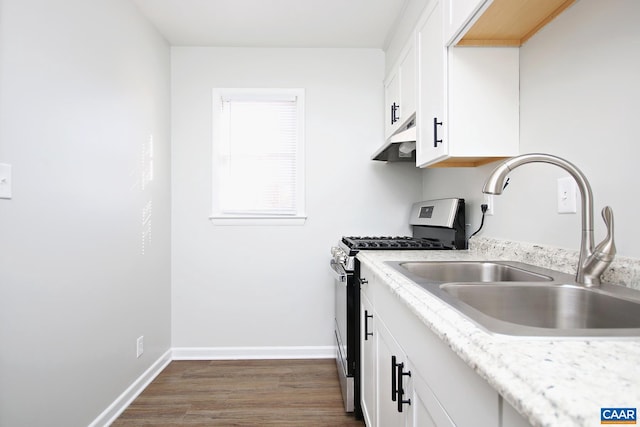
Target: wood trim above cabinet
(512,22)
(465,162)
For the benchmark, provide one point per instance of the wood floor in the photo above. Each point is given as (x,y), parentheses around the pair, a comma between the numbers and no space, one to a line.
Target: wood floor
(242,393)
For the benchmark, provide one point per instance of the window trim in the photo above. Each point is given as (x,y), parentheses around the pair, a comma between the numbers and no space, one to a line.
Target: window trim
(219,218)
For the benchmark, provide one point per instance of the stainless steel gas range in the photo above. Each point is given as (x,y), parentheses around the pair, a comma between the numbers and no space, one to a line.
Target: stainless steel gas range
(436,225)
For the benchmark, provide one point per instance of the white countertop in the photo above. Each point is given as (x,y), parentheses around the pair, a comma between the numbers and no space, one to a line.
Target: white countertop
(550,381)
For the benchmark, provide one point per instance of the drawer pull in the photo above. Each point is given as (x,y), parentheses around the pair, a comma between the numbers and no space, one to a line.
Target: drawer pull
(367,316)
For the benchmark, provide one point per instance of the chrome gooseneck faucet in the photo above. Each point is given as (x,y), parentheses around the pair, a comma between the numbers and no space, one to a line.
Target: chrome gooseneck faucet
(593,261)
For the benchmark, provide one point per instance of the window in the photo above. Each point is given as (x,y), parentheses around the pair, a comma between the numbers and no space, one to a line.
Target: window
(258,149)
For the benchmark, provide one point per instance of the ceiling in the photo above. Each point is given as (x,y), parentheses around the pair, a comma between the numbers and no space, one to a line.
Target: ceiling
(275,23)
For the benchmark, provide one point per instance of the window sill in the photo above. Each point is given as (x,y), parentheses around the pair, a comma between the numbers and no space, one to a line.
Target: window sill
(256,220)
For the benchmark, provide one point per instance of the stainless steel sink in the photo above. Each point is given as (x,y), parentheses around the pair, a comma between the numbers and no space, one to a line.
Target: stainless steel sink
(557,307)
(523,300)
(471,272)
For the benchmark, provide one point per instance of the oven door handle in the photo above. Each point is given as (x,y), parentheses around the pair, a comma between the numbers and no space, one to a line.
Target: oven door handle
(338,271)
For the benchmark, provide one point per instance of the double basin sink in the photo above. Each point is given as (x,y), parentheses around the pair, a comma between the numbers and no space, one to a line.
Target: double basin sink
(517,299)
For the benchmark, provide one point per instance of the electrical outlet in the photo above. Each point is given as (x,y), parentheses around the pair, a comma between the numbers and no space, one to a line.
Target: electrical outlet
(140,346)
(567,195)
(488,200)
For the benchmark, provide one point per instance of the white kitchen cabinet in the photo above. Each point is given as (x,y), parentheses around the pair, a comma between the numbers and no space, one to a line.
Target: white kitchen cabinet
(442,389)
(391,394)
(468,98)
(401,90)
(368,367)
(431,86)
(380,354)
(391,103)
(426,410)
(408,83)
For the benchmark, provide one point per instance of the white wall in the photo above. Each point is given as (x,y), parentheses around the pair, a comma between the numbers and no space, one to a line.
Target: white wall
(243,286)
(579,100)
(83,86)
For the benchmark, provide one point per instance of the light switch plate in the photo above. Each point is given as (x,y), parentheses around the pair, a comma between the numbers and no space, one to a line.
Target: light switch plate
(5,181)
(139,346)
(567,195)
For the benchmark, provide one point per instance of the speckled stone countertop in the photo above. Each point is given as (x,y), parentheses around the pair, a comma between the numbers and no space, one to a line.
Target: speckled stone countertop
(551,381)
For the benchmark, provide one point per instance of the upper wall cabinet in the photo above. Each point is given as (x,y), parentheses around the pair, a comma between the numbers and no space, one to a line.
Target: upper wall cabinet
(468,99)
(400,91)
(497,22)
(465,99)
(391,103)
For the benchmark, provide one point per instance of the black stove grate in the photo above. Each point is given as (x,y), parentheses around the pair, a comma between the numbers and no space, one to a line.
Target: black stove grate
(394,243)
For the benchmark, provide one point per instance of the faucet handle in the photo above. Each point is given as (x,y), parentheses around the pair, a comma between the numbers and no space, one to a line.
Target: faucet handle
(607,215)
(603,254)
(606,250)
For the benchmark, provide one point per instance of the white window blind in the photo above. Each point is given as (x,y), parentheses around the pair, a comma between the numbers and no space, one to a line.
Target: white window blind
(258,151)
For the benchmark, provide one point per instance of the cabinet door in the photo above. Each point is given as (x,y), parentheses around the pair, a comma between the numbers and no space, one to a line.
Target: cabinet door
(389,355)
(466,398)
(432,138)
(408,82)
(391,103)
(368,367)
(427,411)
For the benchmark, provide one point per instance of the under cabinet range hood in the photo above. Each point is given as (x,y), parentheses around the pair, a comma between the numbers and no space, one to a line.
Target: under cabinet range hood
(401,146)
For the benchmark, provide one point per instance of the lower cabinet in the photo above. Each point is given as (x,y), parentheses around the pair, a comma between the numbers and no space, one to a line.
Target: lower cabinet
(394,387)
(427,411)
(394,393)
(368,366)
(410,378)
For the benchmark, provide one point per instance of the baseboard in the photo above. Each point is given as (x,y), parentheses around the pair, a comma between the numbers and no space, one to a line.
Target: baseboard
(239,353)
(118,406)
